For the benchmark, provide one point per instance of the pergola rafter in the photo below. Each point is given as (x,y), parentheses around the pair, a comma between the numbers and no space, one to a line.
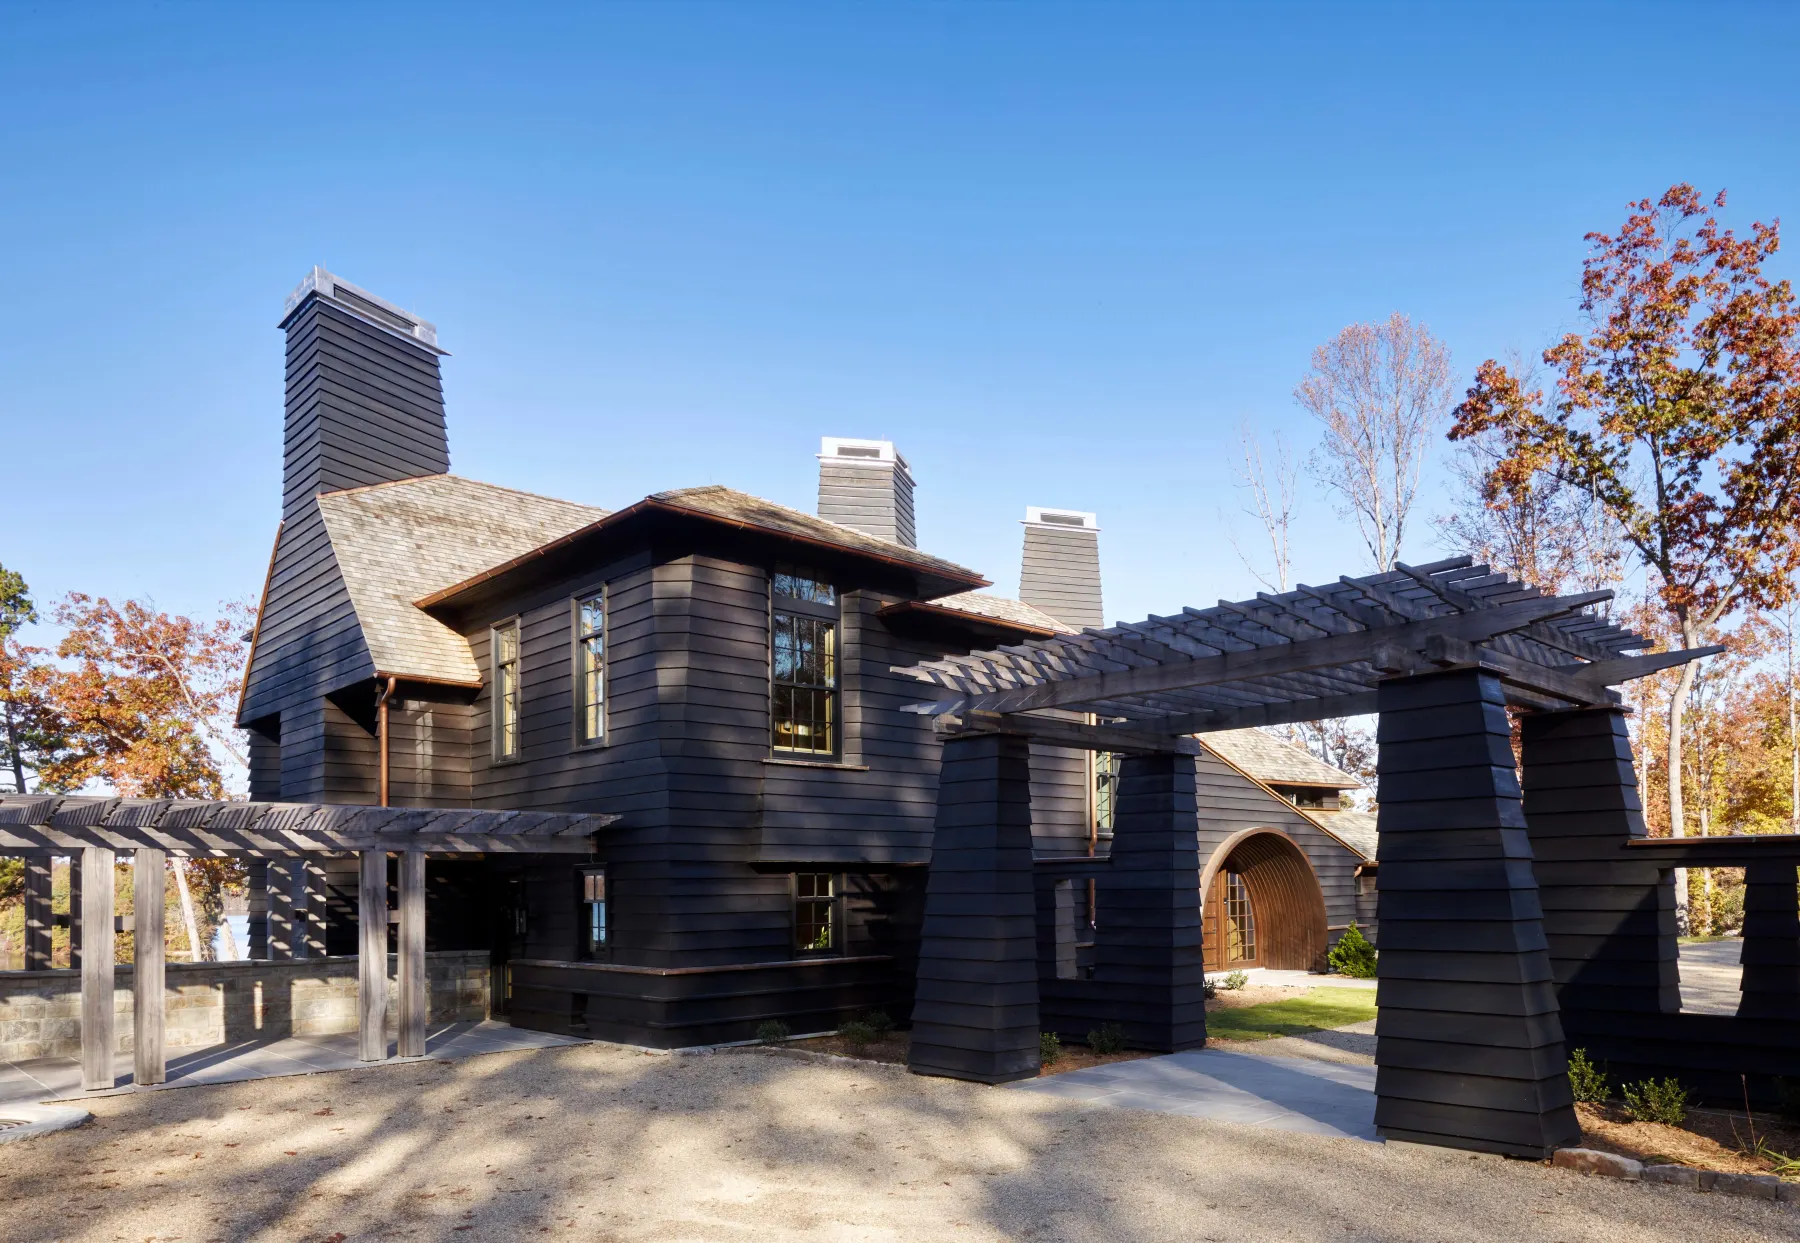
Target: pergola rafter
(1306,654)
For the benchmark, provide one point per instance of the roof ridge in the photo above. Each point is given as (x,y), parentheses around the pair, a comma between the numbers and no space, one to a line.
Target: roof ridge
(479,483)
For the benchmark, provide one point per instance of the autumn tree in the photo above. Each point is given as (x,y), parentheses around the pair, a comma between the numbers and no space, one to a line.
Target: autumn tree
(1380,393)
(32,733)
(1678,410)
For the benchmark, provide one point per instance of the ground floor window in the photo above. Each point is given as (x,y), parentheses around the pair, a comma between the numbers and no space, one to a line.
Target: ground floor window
(815,912)
(593,912)
(1240,920)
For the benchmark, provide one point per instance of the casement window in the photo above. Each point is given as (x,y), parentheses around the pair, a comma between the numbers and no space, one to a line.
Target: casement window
(1240,920)
(1106,792)
(590,669)
(815,913)
(506,691)
(593,912)
(803,664)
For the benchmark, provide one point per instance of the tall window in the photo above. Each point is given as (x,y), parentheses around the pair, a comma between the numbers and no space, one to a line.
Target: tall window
(1106,790)
(590,669)
(815,912)
(506,691)
(804,663)
(593,912)
(1240,920)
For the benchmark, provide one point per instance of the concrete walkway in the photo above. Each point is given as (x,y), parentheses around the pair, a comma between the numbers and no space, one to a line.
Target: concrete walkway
(1710,975)
(1278,1093)
(59,1078)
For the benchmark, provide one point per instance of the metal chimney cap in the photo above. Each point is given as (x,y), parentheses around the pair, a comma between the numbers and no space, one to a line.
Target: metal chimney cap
(853,452)
(1061,519)
(364,305)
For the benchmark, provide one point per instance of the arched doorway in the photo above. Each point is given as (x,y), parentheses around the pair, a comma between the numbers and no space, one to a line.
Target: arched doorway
(1261,905)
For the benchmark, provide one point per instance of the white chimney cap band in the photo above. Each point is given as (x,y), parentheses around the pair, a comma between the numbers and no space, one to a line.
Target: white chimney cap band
(860,452)
(1063,519)
(362,304)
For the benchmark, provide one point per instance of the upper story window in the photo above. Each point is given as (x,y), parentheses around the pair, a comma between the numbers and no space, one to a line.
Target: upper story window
(590,669)
(506,691)
(804,663)
(1106,792)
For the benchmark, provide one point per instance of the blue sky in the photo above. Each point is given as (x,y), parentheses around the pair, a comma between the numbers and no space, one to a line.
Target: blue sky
(1057,252)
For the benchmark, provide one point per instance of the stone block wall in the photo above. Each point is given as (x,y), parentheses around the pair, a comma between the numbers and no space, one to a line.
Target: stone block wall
(211,1003)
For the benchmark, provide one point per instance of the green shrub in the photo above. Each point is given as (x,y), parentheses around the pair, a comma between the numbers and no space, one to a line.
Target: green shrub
(1656,1100)
(879,1022)
(1209,989)
(1587,1081)
(1109,1038)
(1353,955)
(1234,981)
(1049,1048)
(772,1031)
(857,1032)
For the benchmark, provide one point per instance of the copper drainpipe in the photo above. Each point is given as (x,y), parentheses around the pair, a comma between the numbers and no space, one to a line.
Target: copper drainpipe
(381,732)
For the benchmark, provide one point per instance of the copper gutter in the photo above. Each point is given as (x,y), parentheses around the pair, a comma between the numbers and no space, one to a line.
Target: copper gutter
(381,733)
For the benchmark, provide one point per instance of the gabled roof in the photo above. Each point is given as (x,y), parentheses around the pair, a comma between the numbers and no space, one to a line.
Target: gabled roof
(1274,762)
(730,507)
(1354,828)
(395,542)
(1013,614)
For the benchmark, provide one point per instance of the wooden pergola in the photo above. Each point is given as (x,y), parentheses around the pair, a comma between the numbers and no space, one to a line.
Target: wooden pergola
(1470,1043)
(95,830)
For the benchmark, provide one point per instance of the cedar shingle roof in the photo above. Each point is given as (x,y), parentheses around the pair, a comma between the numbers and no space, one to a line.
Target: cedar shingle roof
(1353,828)
(1001,609)
(1274,762)
(730,505)
(396,542)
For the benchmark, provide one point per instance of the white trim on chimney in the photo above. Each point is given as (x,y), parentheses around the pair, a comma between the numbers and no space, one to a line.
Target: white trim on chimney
(371,308)
(852,452)
(1060,519)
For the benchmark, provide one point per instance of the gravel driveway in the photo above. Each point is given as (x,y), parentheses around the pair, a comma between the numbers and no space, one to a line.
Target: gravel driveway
(600,1143)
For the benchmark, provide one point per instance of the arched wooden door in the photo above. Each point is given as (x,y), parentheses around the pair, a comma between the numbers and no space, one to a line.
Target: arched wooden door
(1262,905)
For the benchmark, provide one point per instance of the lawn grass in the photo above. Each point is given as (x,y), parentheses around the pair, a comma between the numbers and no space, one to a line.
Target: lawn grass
(1319,1009)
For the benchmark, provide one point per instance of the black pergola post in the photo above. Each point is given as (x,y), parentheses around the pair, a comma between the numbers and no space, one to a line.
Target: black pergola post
(975,1013)
(1771,953)
(1469,1044)
(1609,919)
(1147,934)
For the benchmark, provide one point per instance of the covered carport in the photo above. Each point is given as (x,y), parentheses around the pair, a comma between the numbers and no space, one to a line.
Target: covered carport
(1470,1044)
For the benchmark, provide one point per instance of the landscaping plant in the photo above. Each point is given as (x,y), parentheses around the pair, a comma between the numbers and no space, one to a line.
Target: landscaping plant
(857,1032)
(772,1031)
(1049,1048)
(1109,1038)
(1235,981)
(879,1021)
(1587,1081)
(1353,955)
(1655,1100)
(1209,989)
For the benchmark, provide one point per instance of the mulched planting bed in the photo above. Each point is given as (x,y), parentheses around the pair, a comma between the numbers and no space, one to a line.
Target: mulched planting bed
(1709,1139)
(893,1047)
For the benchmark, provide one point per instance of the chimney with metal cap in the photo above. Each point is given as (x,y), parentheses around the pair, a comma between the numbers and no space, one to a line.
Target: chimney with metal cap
(365,401)
(1061,570)
(865,485)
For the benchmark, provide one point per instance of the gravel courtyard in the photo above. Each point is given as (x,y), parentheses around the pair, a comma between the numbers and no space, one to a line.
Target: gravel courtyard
(600,1143)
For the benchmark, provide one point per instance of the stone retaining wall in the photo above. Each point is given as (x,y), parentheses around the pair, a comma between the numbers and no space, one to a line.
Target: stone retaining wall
(213,1003)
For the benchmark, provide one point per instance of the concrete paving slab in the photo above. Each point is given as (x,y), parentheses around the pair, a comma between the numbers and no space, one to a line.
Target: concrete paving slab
(1291,1094)
(1710,976)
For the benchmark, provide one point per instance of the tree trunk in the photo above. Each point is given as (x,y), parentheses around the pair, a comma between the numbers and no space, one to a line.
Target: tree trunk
(1677,810)
(18,761)
(187,909)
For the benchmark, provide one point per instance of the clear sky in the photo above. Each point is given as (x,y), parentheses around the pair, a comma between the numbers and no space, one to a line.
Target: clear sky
(1056,252)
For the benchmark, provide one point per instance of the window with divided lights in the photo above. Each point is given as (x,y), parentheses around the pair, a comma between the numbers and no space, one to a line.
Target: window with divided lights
(815,912)
(506,691)
(593,912)
(804,663)
(1240,920)
(590,669)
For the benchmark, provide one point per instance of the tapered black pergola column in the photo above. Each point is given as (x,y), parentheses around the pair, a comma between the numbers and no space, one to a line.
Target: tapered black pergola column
(1609,918)
(975,1013)
(1147,934)
(1469,1046)
(1771,952)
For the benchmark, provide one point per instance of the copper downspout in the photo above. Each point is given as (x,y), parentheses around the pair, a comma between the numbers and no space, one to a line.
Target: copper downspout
(381,732)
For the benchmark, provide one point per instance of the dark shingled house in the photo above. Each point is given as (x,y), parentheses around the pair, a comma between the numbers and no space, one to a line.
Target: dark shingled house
(714,669)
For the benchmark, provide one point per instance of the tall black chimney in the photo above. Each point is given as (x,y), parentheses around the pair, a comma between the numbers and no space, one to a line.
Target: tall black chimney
(866,485)
(1060,573)
(365,402)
